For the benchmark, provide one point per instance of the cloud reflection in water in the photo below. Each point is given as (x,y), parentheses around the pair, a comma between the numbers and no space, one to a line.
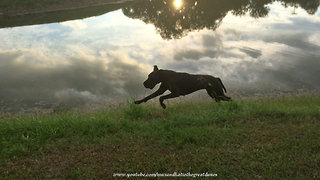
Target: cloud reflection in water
(108,57)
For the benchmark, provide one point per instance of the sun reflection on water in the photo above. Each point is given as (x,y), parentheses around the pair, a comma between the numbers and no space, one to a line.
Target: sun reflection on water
(177,4)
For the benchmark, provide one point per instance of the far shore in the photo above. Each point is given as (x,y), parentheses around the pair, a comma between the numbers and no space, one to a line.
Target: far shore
(38,7)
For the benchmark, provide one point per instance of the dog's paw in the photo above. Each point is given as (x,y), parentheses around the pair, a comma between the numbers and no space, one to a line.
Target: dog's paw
(137,102)
(140,101)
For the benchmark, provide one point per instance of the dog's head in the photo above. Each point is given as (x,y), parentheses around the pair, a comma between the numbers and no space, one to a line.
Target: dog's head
(153,78)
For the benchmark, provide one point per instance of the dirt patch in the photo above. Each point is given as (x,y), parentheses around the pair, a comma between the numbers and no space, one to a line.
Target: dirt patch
(83,161)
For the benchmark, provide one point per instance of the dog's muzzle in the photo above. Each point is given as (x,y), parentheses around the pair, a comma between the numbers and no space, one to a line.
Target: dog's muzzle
(148,85)
(145,85)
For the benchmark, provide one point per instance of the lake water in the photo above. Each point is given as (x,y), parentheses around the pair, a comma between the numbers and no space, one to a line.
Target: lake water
(254,46)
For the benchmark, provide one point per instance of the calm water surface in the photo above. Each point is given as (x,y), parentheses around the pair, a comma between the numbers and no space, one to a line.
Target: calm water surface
(255,46)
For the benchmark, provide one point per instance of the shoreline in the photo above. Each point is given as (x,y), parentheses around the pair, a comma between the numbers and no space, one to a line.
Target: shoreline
(50,108)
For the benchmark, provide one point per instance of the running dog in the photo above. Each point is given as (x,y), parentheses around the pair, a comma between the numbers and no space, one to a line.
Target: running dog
(181,84)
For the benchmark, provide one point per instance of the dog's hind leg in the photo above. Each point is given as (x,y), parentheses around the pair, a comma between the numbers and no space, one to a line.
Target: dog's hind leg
(213,95)
(162,98)
(216,89)
(225,98)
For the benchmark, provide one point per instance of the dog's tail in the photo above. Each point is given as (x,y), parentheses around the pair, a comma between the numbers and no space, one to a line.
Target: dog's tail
(222,85)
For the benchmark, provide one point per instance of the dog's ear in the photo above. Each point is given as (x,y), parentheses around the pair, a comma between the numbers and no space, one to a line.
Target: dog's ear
(155,68)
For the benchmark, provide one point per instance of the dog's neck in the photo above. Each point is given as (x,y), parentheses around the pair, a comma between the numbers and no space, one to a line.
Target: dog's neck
(165,74)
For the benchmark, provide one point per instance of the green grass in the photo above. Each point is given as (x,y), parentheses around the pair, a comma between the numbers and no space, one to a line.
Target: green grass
(270,138)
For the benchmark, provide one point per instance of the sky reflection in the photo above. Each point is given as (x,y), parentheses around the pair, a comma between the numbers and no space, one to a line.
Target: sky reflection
(106,58)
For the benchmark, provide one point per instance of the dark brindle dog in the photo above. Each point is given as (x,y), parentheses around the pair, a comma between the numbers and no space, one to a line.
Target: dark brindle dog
(180,84)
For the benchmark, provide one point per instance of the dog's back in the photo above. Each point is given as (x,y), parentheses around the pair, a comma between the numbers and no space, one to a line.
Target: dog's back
(184,83)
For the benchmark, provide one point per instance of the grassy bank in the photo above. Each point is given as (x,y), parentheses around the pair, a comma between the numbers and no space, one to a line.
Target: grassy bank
(261,138)
(23,7)
(21,12)
(42,3)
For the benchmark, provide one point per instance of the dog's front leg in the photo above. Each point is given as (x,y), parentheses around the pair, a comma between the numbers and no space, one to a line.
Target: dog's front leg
(160,91)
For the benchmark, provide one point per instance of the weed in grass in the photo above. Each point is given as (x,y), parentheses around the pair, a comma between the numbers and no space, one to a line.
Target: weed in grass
(133,111)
